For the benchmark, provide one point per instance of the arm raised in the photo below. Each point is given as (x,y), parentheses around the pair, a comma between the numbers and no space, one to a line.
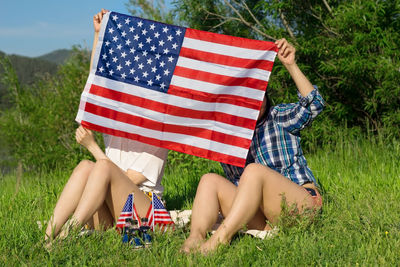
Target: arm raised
(287,55)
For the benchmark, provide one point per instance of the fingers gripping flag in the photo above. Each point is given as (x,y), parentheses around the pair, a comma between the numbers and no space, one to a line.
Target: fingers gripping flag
(182,89)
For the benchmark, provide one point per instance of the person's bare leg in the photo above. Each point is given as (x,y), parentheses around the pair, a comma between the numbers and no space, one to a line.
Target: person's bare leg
(101,219)
(107,182)
(214,194)
(206,207)
(69,198)
(258,184)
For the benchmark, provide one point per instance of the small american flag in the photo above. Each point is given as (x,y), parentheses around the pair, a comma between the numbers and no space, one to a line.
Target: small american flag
(161,218)
(182,89)
(128,211)
(158,217)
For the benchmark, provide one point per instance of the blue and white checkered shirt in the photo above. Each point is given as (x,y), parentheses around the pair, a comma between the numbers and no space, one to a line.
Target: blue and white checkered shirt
(276,140)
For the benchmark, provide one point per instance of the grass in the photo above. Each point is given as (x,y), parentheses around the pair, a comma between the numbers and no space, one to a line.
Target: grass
(359,225)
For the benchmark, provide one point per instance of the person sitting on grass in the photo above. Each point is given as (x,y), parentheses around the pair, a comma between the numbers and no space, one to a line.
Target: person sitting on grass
(276,170)
(97,191)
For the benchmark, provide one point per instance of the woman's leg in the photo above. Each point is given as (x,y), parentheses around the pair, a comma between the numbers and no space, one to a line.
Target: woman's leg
(101,219)
(214,194)
(258,184)
(108,183)
(69,198)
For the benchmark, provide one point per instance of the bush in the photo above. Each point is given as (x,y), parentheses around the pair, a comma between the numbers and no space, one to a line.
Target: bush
(39,127)
(350,49)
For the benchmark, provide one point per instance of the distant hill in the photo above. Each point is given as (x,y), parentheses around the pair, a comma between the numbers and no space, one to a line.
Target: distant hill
(28,69)
(57,56)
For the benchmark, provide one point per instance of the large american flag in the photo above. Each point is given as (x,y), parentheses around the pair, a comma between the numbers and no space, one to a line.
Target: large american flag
(183,89)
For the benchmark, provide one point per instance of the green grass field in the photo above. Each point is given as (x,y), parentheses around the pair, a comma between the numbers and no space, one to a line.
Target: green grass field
(359,225)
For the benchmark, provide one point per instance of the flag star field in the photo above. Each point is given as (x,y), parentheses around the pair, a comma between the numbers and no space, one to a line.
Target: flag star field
(140,52)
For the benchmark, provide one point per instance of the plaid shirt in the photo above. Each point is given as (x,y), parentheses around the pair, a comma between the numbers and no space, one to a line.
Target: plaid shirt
(276,140)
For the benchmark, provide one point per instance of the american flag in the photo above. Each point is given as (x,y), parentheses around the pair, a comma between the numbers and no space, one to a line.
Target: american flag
(128,211)
(157,214)
(161,219)
(182,89)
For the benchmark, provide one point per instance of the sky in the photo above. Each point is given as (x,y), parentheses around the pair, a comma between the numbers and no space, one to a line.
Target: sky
(33,28)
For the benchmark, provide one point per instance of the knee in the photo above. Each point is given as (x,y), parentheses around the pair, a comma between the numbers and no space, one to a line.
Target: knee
(256,172)
(82,170)
(85,165)
(208,181)
(101,170)
(104,165)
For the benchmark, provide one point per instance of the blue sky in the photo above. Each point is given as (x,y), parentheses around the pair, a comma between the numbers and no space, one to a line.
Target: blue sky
(33,28)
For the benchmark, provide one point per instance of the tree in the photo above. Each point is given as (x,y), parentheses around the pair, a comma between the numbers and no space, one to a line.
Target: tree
(350,49)
(150,9)
(38,129)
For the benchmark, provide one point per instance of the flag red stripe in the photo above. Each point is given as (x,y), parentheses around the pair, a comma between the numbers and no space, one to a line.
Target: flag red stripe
(150,222)
(226,60)
(164,127)
(188,149)
(135,213)
(230,40)
(149,210)
(220,79)
(214,98)
(171,109)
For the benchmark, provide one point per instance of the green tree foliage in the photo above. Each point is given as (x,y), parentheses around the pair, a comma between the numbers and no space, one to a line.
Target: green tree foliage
(27,70)
(150,9)
(39,127)
(350,49)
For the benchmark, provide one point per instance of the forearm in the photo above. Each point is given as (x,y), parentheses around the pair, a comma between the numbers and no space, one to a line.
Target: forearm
(303,84)
(136,177)
(96,151)
(95,39)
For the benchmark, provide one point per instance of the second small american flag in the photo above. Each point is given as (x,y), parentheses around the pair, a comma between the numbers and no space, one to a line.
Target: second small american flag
(187,90)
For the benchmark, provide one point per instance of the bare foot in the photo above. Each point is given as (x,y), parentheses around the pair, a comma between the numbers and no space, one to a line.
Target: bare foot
(192,244)
(48,245)
(212,243)
(67,227)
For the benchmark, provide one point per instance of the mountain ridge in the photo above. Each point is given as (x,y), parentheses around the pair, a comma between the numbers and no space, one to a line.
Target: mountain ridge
(58,56)
(29,68)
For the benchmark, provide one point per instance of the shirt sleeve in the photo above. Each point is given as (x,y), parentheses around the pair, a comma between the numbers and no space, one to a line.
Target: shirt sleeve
(296,116)
(150,166)
(232,173)
(143,158)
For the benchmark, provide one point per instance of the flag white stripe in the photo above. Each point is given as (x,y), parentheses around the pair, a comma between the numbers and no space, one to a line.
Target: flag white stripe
(217,89)
(178,100)
(223,69)
(173,137)
(169,119)
(228,50)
